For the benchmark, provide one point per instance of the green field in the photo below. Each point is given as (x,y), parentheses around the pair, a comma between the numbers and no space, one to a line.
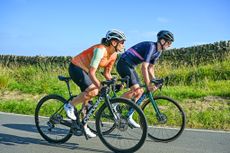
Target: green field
(202,90)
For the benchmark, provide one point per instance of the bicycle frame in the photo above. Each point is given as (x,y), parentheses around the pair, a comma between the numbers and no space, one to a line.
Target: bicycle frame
(150,97)
(103,95)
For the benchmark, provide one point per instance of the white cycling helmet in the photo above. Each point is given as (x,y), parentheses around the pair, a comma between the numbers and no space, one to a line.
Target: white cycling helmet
(115,34)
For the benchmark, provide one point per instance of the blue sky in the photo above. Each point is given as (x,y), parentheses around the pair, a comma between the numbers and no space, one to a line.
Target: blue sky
(66,27)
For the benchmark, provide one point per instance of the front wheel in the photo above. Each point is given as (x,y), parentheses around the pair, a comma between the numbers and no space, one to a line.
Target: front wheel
(92,120)
(49,119)
(169,123)
(124,137)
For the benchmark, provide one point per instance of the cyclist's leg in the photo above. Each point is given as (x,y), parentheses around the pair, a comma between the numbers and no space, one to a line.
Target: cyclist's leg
(85,96)
(91,92)
(124,70)
(135,90)
(137,94)
(81,78)
(138,91)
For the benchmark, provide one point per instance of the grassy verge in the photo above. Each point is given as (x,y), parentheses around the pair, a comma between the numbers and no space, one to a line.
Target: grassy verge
(22,87)
(18,106)
(208,112)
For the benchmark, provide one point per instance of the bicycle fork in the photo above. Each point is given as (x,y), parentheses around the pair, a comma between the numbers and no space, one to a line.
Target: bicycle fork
(111,108)
(160,116)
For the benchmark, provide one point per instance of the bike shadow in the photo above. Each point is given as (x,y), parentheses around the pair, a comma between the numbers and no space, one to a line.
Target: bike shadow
(11,140)
(22,127)
(32,128)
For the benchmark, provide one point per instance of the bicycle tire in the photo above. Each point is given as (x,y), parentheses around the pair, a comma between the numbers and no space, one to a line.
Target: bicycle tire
(44,112)
(92,127)
(91,124)
(168,131)
(122,127)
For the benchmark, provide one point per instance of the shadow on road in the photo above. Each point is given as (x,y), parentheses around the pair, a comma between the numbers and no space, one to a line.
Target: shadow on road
(32,128)
(10,140)
(23,127)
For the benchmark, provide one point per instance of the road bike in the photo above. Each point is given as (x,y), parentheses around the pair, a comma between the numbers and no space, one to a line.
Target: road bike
(165,117)
(54,126)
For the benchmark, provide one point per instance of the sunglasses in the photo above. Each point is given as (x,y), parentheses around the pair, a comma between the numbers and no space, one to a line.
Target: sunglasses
(121,42)
(169,42)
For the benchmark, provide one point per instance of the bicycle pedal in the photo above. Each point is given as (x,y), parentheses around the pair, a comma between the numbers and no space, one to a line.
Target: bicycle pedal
(77,129)
(77,132)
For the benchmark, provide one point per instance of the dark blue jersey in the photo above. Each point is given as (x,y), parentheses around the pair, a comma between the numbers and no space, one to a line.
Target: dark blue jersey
(142,52)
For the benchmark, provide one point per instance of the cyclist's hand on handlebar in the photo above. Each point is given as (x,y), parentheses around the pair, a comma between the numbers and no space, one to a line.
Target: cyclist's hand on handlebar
(119,87)
(99,86)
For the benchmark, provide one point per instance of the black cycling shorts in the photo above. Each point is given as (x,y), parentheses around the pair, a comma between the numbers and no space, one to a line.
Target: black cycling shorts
(125,69)
(79,76)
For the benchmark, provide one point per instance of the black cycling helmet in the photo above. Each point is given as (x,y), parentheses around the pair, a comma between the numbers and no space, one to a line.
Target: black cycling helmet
(166,35)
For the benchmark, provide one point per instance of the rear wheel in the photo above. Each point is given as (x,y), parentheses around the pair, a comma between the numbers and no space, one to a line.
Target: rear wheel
(49,119)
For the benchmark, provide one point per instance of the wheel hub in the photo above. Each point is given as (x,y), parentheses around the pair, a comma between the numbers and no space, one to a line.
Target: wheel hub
(162,118)
(122,124)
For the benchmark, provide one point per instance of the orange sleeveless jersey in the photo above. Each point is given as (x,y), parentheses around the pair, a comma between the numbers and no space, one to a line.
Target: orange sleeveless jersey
(83,59)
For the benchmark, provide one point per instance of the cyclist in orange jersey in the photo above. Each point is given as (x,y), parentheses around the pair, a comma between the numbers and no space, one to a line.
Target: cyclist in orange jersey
(83,67)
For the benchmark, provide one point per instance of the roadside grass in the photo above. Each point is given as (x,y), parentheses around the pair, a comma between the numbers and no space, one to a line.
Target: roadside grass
(18,106)
(190,86)
(208,114)
(197,90)
(205,113)
(185,75)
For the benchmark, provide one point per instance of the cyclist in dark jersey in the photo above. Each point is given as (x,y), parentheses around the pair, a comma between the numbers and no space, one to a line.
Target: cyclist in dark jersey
(145,53)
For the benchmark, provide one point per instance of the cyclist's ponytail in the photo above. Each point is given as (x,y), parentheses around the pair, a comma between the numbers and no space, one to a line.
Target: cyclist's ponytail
(105,42)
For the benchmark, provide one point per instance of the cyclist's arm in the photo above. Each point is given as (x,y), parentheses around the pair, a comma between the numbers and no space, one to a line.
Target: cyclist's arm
(92,75)
(97,56)
(145,73)
(108,68)
(147,65)
(107,74)
(151,71)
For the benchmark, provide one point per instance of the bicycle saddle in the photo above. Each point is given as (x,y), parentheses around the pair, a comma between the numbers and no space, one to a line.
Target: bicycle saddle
(62,78)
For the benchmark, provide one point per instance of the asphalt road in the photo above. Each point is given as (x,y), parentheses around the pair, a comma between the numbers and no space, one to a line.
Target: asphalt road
(18,134)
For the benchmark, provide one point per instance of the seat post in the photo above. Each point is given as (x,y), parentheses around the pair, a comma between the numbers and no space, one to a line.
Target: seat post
(68,86)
